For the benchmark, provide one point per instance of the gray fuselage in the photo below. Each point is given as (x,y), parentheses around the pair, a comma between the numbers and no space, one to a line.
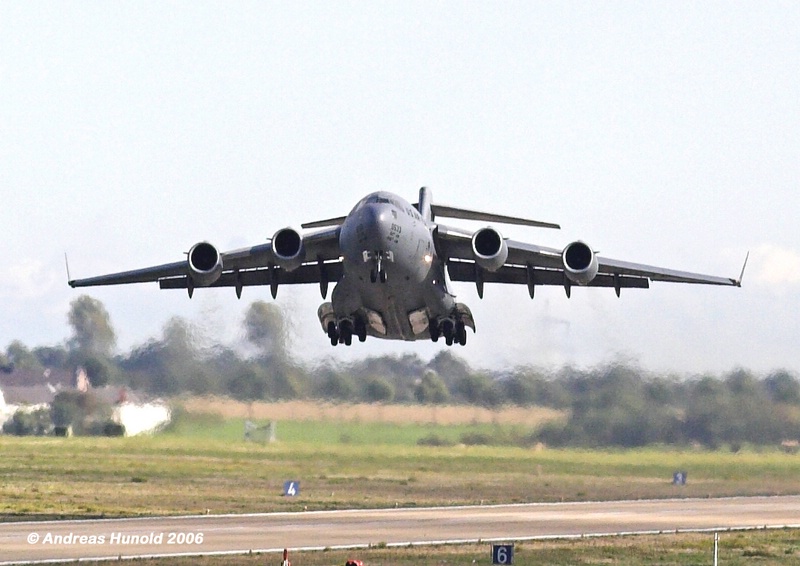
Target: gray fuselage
(390,268)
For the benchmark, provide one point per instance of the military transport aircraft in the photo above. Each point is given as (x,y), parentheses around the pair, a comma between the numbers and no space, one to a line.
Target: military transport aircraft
(392,263)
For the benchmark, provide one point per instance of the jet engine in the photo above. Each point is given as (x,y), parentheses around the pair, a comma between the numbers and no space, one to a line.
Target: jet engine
(205,264)
(288,249)
(489,249)
(580,263)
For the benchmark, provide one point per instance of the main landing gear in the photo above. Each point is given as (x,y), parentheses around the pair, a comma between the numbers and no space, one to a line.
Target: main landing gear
(347,328)
(453,331)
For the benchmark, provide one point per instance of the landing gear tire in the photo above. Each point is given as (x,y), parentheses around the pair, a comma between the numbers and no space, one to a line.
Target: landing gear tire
(461,334)
(346,332)
(361,330)
(333,334)
(447,331)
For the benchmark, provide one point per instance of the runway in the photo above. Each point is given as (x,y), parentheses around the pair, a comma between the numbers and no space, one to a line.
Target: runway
(33,542)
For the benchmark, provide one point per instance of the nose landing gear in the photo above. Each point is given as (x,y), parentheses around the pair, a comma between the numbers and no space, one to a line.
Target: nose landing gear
(378,273)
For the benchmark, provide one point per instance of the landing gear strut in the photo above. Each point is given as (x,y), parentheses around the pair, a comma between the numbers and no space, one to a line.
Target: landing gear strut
(378,273)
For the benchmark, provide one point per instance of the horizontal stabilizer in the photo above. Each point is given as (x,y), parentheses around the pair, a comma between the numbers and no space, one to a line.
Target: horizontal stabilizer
(338,221)
(463,214)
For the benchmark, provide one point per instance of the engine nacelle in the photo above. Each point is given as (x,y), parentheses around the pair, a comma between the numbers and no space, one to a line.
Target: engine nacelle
(205,264)
(288,249)
(580,263)
(489,249)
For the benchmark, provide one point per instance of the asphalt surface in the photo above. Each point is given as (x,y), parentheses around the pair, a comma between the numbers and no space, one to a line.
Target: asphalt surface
(223,534)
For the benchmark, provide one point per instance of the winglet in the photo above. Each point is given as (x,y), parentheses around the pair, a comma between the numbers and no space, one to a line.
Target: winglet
(741,275)
(66,262)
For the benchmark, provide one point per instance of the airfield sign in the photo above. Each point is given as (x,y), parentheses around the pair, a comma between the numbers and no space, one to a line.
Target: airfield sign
(502,554)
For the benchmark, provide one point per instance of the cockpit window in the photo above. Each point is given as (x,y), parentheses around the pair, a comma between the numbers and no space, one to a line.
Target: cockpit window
(377,199)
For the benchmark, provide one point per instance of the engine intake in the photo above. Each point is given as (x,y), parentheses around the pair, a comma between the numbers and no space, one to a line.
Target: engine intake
(580,263)
(489,249)
(288,249)
(205,264)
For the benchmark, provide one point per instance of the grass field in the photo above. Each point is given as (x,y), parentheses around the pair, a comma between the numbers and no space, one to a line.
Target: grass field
(765,548)
(203,464)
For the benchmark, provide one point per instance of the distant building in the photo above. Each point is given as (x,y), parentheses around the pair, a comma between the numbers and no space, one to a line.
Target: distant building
(30,390)
(58,378)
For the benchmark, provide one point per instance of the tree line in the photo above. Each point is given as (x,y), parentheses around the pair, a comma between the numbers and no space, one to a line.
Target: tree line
(617,404)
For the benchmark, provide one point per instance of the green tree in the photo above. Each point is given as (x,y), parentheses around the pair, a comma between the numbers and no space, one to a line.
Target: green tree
(173,364)
(742,382)
(92,332)
(29,423)
(99,370)
(248,383)
(431,389)
(336,386)
(265,328)
(52,356)
(449,366)
(782,387)
(521,389)
(287,382)
(379,390)
(477,389)
(6,365)
(18,356)
(84,412)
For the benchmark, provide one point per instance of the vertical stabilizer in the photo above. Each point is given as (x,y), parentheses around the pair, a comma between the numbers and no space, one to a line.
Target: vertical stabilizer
(424,205)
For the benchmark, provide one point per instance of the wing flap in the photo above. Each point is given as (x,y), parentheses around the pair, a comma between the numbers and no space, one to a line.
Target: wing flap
(308,273)
(464,271)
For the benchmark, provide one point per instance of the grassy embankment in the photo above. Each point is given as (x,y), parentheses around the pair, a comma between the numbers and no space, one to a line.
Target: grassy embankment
(203,464)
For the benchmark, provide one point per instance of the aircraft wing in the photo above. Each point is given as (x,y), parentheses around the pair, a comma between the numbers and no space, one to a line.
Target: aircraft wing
(317,261)
(532,265)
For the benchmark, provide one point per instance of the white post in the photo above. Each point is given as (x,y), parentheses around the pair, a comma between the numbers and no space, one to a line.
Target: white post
(716,548)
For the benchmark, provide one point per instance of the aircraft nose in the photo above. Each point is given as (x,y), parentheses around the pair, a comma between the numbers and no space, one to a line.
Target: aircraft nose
(376,223)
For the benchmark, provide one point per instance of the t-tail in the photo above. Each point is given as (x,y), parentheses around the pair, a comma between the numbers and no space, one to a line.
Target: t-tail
(424,205)
(430,211)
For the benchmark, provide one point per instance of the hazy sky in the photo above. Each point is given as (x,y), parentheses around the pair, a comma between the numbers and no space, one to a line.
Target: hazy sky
(659,132)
